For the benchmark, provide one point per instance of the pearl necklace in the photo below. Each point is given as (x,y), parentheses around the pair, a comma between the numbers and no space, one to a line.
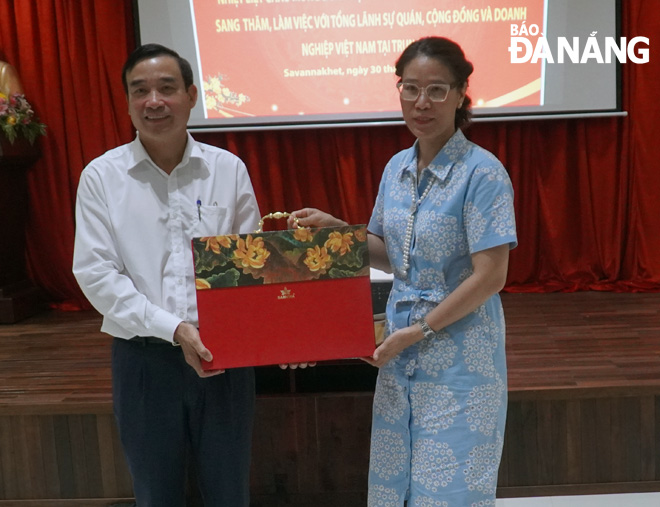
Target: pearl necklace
(411,222)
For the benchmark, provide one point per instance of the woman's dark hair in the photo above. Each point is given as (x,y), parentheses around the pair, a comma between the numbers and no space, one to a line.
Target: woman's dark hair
(449,54)
(152,51)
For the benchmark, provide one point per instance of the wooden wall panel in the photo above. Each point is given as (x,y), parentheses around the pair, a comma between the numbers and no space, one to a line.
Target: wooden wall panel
(581,441)
(589,429)
(631,442)
(59,457)
(51,465)
(275,454)
(558,436)
(8,471)
(109,460)
(656,454)
(310,476)
(344,430)
(27,466)
(311,445)
(573,441)
(647,432)
(81,502)
(64,457)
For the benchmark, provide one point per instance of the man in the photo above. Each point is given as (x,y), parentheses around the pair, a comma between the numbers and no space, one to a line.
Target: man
(138,207)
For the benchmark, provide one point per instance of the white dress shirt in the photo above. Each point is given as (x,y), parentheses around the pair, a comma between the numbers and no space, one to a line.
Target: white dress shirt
(134,223)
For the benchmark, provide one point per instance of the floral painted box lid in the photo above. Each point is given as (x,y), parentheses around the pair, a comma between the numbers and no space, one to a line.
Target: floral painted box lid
(293,255)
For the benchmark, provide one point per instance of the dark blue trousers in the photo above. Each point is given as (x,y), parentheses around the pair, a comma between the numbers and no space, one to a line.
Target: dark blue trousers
(169,417)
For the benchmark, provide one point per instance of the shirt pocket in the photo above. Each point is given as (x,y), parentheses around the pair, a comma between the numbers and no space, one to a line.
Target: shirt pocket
(211,221)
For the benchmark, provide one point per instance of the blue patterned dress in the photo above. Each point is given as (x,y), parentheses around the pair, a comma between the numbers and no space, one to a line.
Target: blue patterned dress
(440,406)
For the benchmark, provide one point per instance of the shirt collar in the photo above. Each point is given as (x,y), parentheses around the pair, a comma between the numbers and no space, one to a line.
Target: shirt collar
(453,150)
(139,154)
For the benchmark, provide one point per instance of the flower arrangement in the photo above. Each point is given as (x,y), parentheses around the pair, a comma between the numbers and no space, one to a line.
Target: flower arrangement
(17,119)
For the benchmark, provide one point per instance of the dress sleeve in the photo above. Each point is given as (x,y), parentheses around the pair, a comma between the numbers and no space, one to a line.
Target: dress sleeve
(488,211)
(377,215)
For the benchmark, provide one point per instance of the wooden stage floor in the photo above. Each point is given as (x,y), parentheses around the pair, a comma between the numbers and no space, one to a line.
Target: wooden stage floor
(584,410)
(555,342)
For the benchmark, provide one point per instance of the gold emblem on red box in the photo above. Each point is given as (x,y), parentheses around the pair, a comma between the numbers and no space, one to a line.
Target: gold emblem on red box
(286,294)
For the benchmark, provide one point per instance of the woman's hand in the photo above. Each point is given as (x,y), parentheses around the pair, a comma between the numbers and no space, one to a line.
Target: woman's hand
(293,366)
(394,344)
(312,217)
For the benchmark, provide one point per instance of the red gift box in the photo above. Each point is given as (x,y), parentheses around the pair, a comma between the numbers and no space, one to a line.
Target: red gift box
(291,296)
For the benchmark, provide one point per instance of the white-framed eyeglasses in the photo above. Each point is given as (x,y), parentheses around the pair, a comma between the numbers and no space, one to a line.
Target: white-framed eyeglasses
(436,92)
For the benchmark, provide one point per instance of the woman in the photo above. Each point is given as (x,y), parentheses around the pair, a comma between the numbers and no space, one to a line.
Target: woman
(443,223)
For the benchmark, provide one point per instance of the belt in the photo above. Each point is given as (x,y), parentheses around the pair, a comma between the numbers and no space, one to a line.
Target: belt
(151,340)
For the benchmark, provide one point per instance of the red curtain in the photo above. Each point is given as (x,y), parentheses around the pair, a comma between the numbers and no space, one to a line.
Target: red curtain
(585,188)
(68,55)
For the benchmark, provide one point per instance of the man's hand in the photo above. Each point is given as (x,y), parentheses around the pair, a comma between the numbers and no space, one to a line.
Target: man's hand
(194,350)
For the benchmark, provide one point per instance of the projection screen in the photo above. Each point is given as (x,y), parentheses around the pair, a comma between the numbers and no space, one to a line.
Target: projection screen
(262,64)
